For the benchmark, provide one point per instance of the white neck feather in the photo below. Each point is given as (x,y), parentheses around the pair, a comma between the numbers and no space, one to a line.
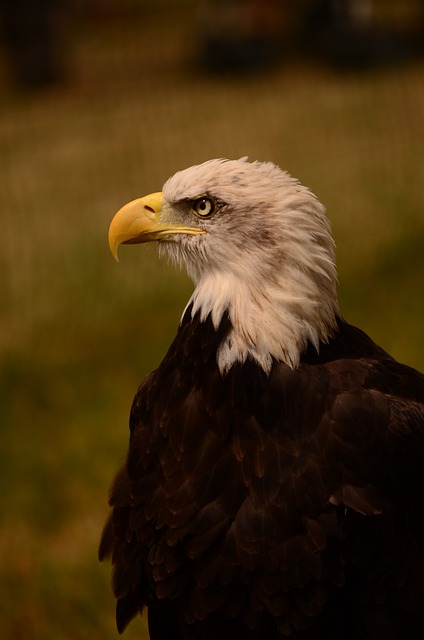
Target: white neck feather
(268,321)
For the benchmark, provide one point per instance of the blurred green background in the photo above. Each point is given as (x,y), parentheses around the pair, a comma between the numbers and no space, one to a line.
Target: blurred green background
(136,91)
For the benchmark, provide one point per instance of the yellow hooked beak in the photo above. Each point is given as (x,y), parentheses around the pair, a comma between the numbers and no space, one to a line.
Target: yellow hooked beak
(138,221)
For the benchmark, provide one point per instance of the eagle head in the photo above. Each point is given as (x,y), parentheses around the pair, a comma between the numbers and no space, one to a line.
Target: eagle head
(258,247)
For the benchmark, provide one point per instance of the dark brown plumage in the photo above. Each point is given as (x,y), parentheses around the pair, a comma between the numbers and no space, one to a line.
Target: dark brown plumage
(274,486)
(263,508)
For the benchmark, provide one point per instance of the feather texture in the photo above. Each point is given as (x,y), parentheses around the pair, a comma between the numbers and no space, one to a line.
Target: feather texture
(266,261)
(274,484)
(287,505)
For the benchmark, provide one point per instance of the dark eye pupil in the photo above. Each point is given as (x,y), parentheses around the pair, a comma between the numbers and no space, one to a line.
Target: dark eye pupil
(204,207)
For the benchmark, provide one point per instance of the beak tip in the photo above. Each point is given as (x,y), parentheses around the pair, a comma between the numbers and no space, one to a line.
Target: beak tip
(113,247)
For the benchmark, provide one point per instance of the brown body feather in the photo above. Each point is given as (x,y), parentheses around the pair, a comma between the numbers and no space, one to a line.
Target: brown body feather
(272,506)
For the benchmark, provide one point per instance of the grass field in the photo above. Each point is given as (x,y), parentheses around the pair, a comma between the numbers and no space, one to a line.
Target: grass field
(78,332)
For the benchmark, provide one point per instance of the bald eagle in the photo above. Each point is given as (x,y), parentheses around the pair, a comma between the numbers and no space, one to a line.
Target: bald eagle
(274,484)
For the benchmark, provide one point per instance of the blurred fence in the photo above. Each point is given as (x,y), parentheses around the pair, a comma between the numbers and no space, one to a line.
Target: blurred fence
(140,92)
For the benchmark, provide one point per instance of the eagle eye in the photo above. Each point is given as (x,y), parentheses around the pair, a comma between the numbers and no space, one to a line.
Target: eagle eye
(204,207)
